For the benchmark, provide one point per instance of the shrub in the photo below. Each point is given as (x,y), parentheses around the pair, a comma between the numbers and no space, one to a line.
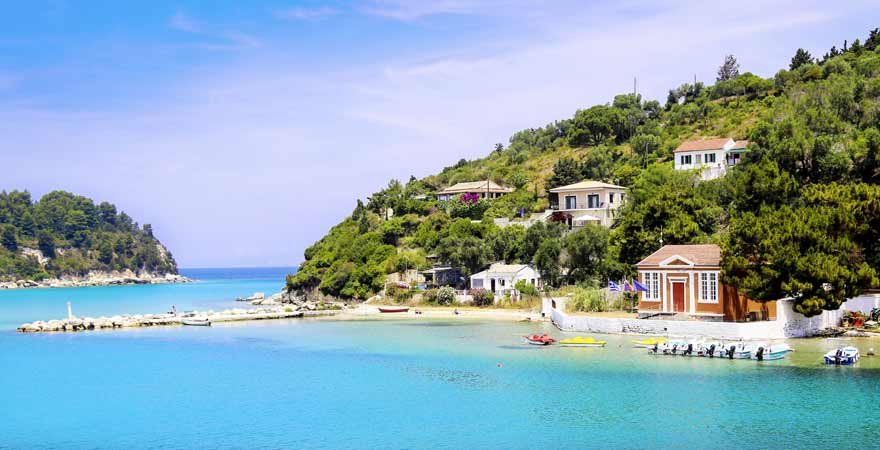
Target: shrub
(430,296)
(482,297)
(445,295)
(590,300)
(526,288)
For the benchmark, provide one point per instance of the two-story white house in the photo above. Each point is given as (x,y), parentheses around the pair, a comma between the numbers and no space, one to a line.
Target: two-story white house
(712,156)
(588,202)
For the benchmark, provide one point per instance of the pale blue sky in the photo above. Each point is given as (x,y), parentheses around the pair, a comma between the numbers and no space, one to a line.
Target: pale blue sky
(244,130)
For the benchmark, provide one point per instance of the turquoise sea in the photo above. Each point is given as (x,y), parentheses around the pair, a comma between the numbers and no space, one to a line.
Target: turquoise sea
(450,383)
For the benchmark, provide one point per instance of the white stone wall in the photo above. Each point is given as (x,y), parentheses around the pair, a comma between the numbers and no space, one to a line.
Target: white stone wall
(863,303)
(787,324)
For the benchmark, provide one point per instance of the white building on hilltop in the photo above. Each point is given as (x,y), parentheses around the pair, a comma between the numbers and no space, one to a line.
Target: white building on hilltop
(713,156)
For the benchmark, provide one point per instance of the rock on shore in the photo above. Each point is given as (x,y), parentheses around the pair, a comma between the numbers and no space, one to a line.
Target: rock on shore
(98,278)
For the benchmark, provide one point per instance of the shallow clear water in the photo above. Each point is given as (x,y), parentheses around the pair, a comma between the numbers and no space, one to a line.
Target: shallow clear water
(413,384)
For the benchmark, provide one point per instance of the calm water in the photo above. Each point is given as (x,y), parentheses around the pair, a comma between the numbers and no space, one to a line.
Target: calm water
(404,384)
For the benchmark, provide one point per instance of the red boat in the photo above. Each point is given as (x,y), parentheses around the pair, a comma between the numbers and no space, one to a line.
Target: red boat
(393,309)
(535,339)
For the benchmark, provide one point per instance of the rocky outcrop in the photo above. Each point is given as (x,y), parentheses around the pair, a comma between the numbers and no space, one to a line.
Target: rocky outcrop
(99,278)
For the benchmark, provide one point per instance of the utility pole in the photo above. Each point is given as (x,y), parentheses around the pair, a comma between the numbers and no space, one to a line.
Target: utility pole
(634,85)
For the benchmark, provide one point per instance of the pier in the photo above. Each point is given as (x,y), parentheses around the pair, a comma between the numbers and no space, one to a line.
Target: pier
(72,323)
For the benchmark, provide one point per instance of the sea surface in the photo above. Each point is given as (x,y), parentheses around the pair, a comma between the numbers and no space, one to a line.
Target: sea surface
(453,383)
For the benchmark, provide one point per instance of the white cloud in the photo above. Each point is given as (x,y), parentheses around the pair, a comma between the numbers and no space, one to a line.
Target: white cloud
(223,40)
(300,13)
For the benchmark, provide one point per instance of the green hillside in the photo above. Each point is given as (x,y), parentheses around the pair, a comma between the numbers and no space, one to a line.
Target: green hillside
(66,234)
(799,217)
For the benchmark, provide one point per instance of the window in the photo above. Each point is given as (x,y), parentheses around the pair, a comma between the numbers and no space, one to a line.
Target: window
(710,158)
(593,201)
(502,282)
(699,160)
(652,282)
(611,197)
(685,160)
(709,287)
(570,202)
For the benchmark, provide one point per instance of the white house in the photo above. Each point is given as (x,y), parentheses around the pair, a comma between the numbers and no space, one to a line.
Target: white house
(485,189)
(500,277)
(713,156)
(588,202)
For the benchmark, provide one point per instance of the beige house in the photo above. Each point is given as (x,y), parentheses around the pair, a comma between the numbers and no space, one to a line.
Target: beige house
(588,202)
(712,156)
(485,189)
(685,281)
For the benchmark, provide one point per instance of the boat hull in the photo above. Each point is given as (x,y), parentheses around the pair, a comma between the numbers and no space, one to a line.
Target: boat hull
(393,310)
(196,323)
(581,345)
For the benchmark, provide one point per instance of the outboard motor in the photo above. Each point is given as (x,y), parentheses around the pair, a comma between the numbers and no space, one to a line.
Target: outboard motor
(674,348)
(760,354)
(837,357)
(655,348)
(712,351)
(731,351)
(690,350)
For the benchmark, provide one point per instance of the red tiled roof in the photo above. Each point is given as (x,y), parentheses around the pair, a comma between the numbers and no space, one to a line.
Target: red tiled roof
(740,145)
(700,255)
(702,144)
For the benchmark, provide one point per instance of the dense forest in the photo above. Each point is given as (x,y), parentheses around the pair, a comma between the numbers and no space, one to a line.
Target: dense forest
(66,234)
(800,217)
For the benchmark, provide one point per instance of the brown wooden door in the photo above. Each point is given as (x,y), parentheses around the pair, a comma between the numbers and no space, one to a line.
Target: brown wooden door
(678,297)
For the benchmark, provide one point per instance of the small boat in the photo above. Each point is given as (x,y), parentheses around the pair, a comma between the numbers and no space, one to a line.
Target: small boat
(711,349)
(737,351)
(393,309)
(772,352)
(543,339)
(195,322)
(843,356)
(648,343)
(581,342)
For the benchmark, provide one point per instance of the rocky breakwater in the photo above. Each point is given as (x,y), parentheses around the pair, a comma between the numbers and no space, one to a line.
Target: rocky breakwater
(98,278)
(148,320)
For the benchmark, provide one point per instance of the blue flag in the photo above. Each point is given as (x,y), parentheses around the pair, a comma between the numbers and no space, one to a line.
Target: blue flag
(627,287)
(639,286)
(612,286)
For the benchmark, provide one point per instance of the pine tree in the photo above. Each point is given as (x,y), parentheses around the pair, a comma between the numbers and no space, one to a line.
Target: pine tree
(800,58)
(729,69)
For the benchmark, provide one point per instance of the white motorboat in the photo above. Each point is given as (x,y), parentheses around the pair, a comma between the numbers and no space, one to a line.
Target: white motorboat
(196,322)
(843,356)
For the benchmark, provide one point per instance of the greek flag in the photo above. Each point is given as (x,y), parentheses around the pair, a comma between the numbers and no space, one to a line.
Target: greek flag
(612,286)
(627,287)
(639,286)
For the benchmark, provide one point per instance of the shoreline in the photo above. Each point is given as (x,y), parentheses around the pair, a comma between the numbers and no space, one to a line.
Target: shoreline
(97,279)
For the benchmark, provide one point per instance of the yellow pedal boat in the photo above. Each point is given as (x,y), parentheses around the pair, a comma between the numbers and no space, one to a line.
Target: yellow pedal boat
(581,342)
(648,343)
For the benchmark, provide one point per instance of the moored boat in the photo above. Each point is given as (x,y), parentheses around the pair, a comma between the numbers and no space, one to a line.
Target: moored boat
(843,356)
(393,309)
(544,339)
(648,343)
(196,322)
(772,352)
(581,342)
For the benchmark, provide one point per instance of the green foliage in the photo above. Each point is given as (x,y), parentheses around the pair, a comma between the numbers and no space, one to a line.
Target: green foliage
(800,58)
(91,237)
(526,288)
(482,297)
(588,299)
(587,251)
